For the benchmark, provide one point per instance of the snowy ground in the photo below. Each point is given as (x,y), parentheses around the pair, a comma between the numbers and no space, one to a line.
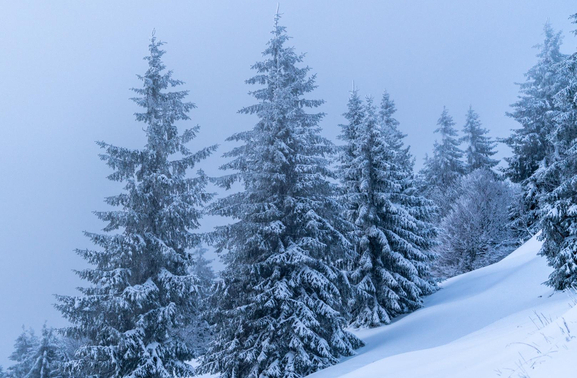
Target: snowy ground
(499,321)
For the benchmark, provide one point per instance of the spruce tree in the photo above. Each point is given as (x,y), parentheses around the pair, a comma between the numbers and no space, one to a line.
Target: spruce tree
(47,358)
(558,181)
(534,111)
(390,273)
(355,116)
(442,172)
(480,147)
(141,291)
(346,154)
(421,208)
(447,155)
(393,135)
(2,372)
(24,346)
(279,313)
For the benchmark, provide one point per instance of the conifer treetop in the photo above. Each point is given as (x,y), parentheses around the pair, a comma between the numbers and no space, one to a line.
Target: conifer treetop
(141,288)
(480,147)
(281,293)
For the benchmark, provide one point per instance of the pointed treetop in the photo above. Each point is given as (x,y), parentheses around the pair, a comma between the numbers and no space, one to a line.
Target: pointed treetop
(160,104)
(549,50)
(480,147)
(387,110)
(277,29)
(446,123)
(355,115)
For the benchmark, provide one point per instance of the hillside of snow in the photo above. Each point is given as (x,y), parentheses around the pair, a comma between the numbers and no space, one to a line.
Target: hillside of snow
(499,321)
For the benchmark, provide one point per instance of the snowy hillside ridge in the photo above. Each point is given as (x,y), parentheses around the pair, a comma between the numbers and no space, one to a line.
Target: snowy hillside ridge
(498,321)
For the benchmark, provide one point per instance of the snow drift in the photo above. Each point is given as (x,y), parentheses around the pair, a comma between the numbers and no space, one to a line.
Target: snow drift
(498,321)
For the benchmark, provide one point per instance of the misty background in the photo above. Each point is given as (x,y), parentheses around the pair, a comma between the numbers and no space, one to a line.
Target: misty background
(67,66)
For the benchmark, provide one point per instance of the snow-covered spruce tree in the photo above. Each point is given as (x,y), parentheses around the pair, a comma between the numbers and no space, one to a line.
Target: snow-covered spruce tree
(421,208)
(47,358)
(535,110)
(141,291)
(355,116)
(475,233)
(393,135)
(441,172)
(559,183)
(346,154)
(480,147)
(24,346)
(2,372)
(279,313)
(391,272)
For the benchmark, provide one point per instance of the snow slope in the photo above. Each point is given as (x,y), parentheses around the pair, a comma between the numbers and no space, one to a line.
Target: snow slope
(499,321)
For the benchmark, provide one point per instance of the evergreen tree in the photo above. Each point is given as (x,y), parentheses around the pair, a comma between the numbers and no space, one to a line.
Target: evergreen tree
(558,181)
(390,274)
(355,116)
(2,373)
(480,147)
(24,346)
(447,155)
(422,209)
(141,291)
(47,357)
(393,135)
(279,314)
(441,173)
(535,110)
(347,153)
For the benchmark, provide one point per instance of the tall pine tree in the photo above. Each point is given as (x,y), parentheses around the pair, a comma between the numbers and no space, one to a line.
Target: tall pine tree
(24,346)
(280,309)
(394,136)
(421,208)
(47,358)
(141,292)
(346,154)
(390,273)
(441,173)
(534,111)
(480,147)
(558,181)
(355,116)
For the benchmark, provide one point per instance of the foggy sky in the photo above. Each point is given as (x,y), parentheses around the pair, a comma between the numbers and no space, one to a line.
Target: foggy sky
(66,68)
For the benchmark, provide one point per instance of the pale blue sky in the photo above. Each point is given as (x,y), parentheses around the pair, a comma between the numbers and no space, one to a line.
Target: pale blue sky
(67,67)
